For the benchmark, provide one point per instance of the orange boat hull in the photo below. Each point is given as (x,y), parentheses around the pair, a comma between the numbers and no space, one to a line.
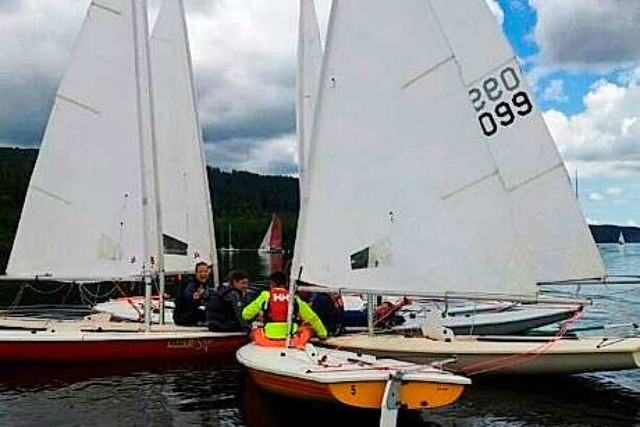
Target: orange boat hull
(364,394)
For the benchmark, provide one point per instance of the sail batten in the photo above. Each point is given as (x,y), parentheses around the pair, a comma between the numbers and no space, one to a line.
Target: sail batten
(463,189)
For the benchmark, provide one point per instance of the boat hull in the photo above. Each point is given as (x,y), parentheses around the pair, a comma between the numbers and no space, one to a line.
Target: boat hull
(360,385)
(503,355)
(507,322)
(94,347)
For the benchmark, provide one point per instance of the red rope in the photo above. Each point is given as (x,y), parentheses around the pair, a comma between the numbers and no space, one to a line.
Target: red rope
(512,360)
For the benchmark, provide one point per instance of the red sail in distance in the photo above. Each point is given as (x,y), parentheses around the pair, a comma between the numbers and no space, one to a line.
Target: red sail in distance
(275,240)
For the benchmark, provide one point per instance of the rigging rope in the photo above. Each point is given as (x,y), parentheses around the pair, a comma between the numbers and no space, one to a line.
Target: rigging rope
(516,359)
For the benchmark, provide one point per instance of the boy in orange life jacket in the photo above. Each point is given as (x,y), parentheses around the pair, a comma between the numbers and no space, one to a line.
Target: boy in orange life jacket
(273,304)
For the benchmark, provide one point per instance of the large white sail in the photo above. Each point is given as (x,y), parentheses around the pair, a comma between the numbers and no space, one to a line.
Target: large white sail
(187,222)
(308,78)
(84,215)
(307,81)
(431,169)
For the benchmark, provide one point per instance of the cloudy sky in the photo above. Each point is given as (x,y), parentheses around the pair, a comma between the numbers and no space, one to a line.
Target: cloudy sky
(582,58)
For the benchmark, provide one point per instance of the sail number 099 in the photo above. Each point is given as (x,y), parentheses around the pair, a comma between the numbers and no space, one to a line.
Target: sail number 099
(512,103)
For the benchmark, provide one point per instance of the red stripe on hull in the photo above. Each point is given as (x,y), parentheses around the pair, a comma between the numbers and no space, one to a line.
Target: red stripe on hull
(114,350)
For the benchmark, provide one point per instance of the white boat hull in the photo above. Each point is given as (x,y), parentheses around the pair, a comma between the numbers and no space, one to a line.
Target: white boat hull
(513,320)
(503,355)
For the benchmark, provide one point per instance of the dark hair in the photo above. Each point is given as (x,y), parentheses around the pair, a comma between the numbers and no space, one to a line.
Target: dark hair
(199,264)
(279,278)
(236,275)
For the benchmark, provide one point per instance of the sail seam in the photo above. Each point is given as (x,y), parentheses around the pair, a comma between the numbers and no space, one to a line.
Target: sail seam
(107,8)
(533,178)
(471,184)
(50,194)
(77,103)
(428,71)
(446,38)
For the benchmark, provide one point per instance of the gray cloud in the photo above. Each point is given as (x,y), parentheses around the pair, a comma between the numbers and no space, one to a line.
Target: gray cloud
(268,156)
(594,34)
(244,64)
(10,6)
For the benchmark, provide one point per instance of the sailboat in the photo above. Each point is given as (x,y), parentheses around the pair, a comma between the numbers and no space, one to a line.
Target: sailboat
(229,248)
(119,191)
(515,319)
(621,238)
(272,240)
(464,194)
(349,378)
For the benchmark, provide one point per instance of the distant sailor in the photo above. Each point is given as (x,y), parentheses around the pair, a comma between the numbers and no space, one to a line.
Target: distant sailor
(273,304)
(188,301)
(224,309)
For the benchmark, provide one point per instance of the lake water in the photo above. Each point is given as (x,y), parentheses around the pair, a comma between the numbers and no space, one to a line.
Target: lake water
(221,395)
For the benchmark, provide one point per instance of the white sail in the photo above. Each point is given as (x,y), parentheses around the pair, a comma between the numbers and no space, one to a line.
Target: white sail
(431,169)
(308,79)
(187,222)
(266,240)
(309,65)
(83,215)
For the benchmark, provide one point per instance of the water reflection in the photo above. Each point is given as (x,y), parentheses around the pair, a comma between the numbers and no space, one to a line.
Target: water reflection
(194,393)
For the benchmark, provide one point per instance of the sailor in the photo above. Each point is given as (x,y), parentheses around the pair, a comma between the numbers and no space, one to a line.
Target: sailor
(330,309)
(274,305)
(224,309)
(189,299)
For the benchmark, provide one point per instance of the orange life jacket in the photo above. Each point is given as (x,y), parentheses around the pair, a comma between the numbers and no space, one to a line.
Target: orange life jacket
(277,306)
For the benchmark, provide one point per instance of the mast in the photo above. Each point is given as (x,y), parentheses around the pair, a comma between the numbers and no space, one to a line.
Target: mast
(152,211)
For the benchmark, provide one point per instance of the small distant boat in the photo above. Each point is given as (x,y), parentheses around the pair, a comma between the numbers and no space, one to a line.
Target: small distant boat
(272,241)
(621,240)
(229,248)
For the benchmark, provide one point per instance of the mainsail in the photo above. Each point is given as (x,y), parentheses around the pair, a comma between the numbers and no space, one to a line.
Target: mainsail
(187,222)
(84,215)
(431,169)
(307,81)
(308,78)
